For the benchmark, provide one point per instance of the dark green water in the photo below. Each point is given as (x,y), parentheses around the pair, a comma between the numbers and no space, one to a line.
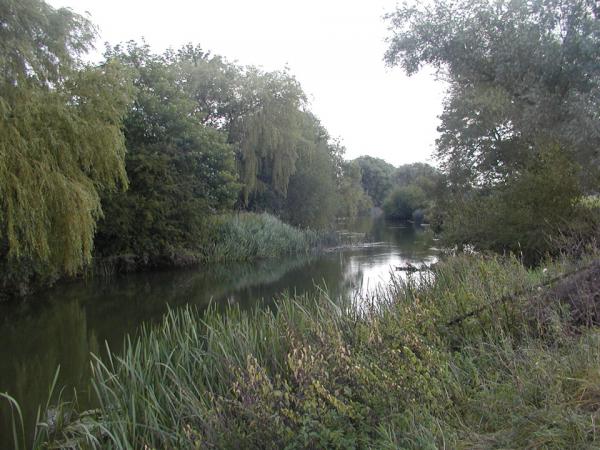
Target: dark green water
(62,326)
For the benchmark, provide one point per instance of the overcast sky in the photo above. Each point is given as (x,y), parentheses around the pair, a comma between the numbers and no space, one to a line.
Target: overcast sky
(334,48)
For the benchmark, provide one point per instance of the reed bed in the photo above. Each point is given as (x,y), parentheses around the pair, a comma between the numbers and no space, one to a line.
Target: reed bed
(397,372)
(248,236)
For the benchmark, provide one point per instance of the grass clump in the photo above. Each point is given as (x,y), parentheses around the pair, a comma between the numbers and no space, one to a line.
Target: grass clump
(248,236)
(399,372)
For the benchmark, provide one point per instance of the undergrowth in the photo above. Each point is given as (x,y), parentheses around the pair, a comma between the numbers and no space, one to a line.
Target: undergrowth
(247,236)
(398,371)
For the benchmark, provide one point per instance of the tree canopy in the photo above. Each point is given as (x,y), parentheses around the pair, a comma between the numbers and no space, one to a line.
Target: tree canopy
(518,71)
(261,112)
(524,79)
(180,170)
(376,177)
(60,137)
(134,155)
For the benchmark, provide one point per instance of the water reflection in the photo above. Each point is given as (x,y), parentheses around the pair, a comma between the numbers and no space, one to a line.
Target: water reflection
(63,325)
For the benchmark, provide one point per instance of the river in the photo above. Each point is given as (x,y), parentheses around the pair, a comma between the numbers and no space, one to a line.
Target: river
(62,326)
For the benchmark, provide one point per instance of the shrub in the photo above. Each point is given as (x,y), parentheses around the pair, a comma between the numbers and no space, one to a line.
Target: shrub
(403,202)
(524,214)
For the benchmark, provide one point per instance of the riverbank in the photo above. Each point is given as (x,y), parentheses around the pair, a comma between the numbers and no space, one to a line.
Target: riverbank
(226,238)
(485,353)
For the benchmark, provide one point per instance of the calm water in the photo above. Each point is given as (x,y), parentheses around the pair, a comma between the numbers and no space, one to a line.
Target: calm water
(67,323)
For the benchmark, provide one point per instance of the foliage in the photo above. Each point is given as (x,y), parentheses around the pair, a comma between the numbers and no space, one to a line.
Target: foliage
(277,142)
(382,181)
(248,236)
(353,200)
(40,44)
(524,215)
(266,135)
(522,75)
(400,373)
(180,170)
(376,177)
(518,71)
(404,202)
(312,196)
(591,202)
(419,174)
(60,140)
(261,113)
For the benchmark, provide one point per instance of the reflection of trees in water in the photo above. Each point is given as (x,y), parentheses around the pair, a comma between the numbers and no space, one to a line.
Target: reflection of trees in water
(411,240)
(33,348)
(225,278)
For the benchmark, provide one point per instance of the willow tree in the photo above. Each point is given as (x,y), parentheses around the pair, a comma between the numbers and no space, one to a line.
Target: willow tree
(353,199)
(60,139)
(312,198)
(267,131)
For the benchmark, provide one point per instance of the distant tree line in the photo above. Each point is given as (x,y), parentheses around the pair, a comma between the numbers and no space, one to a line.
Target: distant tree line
(404,193)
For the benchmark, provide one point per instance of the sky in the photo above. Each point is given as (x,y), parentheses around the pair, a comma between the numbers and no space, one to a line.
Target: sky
(334,48)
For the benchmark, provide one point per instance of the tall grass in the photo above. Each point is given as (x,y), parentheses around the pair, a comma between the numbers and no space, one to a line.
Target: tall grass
(225,238)
(247,236)
(398,372)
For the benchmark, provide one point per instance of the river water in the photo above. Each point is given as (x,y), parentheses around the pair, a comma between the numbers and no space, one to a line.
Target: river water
(62,326)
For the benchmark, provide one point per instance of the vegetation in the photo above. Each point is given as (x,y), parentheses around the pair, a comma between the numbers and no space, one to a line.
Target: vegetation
(180,171)
(405,203)
(354,200)
(376,177)
(474,356)
(524,214)
(134,157)
(60,142)
(414,193)
(520,110)
(404,193)
(249,236)
(184,157)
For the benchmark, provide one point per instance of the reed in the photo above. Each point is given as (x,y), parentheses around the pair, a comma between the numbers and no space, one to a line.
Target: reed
(248,236)
(392,371)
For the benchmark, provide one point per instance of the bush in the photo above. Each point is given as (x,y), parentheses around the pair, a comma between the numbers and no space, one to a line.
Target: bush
(403,202)
(524,215)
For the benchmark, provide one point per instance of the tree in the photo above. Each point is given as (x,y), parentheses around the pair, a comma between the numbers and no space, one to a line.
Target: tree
(422,175)
(312,196)
(524,81)
(376,177)
(520,214)
(262,114)
(403,202)
(180,170)
(518,71)
(353,200)
(266,134)
(60,139)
